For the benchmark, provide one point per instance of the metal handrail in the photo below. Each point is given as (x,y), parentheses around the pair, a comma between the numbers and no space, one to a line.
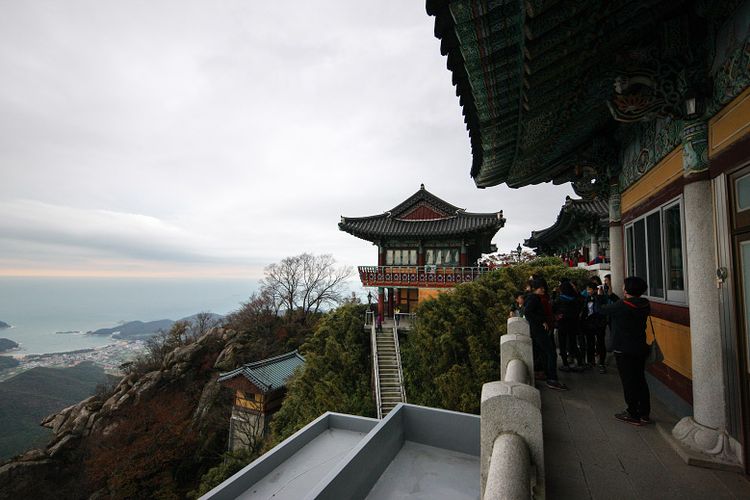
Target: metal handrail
(398,361)
(376,369)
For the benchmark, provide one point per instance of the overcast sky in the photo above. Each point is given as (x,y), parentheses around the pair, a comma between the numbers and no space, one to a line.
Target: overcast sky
(211,138)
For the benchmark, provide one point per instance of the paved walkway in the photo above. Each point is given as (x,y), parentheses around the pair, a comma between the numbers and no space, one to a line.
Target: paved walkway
(590,454)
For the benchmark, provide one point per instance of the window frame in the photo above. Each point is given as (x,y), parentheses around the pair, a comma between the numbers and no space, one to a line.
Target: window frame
(676,297)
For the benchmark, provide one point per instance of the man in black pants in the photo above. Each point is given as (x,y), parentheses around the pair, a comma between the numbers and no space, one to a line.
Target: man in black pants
(628,322)
(540,326)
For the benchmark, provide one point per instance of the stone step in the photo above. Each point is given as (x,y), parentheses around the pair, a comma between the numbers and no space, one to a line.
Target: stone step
(391,401)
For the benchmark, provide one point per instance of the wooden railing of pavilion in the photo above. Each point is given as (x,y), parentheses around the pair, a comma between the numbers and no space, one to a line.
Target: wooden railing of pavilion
(419,276)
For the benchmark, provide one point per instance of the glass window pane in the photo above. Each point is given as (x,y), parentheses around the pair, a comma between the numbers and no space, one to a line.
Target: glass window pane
(389,257)
(439,257)
(413,257)
(655,262)
(745,269)
(430,257)
(631,256)
(397,257)
(673,229)
(639,249)
(743,193)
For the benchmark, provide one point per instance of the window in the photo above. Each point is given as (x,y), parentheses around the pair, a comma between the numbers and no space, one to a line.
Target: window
(655,252)
(401,257)
(443,256)
(743,193)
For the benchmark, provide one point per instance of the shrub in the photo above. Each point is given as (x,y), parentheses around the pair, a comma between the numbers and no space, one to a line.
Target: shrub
(454,347)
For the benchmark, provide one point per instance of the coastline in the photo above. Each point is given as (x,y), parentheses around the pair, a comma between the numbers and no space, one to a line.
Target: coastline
(109,357)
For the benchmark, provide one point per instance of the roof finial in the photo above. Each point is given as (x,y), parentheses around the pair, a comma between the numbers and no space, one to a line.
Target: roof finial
(421,186)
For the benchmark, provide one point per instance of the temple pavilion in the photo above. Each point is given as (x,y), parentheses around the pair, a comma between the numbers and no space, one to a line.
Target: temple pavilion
(644,104)
(579,236)
(425,245)
(259,389)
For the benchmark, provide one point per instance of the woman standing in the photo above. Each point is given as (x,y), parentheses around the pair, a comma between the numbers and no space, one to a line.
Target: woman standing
(628,322)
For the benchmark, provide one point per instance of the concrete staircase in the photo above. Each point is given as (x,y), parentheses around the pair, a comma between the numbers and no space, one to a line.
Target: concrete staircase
(389,371)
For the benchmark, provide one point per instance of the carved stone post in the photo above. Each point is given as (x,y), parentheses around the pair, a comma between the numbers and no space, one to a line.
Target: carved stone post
(616,250)
(705,432)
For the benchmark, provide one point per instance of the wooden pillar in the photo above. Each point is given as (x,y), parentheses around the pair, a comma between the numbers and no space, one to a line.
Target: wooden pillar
(420,256)
(397,298)
(381,255)
(381,302)
(389,313)
(464,255)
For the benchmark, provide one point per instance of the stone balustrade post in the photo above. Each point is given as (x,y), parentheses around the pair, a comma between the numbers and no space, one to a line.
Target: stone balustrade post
(512,408)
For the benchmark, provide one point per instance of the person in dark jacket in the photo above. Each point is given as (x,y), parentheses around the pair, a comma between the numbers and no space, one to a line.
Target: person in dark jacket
(567,310)
(628,323)
(540,319)
(593,324)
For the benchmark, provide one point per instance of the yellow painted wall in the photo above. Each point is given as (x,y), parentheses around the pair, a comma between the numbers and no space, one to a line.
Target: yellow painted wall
(674,341)
(431,293)
(729,124)
(666,171)
(248,401)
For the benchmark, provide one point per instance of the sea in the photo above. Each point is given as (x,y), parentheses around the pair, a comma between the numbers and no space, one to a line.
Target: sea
(51,315)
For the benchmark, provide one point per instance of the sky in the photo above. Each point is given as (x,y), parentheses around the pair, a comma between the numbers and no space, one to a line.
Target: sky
(209,139)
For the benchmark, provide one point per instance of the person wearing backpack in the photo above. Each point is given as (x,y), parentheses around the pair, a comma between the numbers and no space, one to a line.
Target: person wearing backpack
(628,323)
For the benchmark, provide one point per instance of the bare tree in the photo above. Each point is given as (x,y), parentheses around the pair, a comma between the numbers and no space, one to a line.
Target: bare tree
(306,282)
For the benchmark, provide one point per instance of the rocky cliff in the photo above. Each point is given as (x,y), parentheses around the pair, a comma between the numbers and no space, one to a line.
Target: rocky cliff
(154,433)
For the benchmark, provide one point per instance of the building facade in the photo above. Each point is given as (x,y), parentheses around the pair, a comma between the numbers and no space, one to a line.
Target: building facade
(425,245)
(259,389)
(644,104)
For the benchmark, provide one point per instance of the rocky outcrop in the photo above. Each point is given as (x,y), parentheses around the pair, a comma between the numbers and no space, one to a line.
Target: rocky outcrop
(75,428)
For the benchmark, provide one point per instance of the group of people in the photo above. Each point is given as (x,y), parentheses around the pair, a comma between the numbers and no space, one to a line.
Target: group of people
(581,319)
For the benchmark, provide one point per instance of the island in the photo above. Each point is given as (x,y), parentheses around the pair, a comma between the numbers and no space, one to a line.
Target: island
(7,345)
(3,324)
(134,330)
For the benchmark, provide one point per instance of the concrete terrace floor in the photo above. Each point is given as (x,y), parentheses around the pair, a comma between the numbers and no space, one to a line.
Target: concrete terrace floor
(590,454)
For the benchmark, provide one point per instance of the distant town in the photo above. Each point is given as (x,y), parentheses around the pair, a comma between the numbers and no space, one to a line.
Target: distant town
(109,357)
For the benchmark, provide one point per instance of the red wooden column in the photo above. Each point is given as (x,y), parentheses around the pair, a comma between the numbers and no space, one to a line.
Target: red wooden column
(397,298)
(381,255)
(420,256)
(381,302)
(464,255)
(390,302)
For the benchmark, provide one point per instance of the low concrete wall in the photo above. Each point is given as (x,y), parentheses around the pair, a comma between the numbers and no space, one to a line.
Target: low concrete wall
(512,449)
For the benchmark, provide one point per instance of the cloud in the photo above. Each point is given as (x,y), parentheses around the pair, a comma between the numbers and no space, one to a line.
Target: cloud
(179,133)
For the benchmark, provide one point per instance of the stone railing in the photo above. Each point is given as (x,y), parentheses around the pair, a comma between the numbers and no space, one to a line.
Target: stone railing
(512,451)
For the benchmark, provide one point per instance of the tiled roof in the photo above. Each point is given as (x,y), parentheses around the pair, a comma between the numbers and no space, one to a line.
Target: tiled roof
(268,374)
(573,215)
(533,77)
(397,222)
(424,196)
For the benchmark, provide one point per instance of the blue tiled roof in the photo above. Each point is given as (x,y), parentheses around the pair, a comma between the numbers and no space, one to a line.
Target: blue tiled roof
(268,374)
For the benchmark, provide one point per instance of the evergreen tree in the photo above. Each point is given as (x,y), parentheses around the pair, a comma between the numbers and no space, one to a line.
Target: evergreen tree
(454,347)
(336,375)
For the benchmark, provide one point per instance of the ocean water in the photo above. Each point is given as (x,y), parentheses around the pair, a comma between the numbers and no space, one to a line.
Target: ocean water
(37,308)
